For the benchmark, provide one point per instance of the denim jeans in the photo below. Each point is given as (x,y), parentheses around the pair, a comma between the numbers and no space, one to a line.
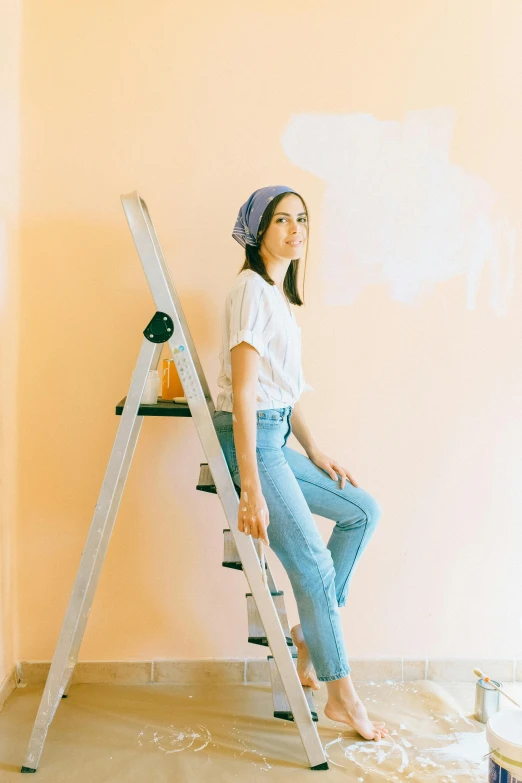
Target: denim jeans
(294,489)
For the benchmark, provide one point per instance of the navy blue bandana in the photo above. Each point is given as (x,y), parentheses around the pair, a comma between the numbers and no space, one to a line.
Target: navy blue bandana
(250,214)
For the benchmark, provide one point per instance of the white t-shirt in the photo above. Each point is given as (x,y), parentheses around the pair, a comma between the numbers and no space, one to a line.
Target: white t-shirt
(259,314)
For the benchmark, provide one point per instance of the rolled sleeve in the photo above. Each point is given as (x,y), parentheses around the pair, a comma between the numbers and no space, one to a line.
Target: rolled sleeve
(251,316)
(248,336)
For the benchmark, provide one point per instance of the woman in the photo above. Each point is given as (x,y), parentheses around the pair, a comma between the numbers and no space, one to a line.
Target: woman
(261,381)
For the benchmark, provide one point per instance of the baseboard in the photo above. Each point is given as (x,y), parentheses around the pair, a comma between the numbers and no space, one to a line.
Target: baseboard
(8,686)
(256,670)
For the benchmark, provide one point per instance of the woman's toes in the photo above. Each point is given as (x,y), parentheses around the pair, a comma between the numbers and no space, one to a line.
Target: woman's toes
(380,731)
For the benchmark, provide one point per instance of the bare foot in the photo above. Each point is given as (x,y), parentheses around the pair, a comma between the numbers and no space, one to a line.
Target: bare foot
(355,715)
(305,667)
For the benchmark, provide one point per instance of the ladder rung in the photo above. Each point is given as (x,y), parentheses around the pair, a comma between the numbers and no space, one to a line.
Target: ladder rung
(231,557)
(256,630)
(206,482)
(160,408)
(281,706)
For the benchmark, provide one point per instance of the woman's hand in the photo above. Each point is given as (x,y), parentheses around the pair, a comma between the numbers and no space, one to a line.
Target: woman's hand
(253,514)
(332,467)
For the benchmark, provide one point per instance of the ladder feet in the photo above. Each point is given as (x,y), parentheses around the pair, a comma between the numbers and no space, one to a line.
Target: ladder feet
(27,769)
(324,765)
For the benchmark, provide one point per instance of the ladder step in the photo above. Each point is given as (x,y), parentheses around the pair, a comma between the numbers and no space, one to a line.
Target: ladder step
(206,482)
(256,630)
(231,557)
(281,706)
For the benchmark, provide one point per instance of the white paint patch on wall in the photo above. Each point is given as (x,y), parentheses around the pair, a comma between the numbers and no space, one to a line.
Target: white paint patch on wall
(398,211)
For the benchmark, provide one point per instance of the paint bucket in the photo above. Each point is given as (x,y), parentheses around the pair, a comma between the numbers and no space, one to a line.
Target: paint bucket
(504,735)
(487,700)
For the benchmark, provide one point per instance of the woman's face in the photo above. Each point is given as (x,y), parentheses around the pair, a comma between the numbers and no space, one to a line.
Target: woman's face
(287,234)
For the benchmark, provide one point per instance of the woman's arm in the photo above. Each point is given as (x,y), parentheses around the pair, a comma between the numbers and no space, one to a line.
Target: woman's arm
(253,517)
(245,364)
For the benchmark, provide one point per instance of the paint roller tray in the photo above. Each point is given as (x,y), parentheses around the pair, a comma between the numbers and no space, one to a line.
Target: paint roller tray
(161,408)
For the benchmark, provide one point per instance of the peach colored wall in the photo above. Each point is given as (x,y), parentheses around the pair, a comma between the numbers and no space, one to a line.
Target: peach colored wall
(9,315)
(188,103)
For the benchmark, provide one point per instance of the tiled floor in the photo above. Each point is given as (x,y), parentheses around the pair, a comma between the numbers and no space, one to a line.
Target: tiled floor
(200,733)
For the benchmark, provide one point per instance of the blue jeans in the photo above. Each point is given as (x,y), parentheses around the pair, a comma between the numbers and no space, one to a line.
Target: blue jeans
(294,489)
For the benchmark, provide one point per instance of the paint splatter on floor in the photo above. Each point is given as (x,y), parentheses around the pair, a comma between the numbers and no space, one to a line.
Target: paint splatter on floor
(249,753)
(447,758)
(174,740)
(444,747)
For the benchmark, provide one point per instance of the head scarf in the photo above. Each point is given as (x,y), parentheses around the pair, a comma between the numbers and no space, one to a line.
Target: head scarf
(250,214)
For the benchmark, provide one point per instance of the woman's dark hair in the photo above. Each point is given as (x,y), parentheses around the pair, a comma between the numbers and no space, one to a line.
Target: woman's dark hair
(254,261)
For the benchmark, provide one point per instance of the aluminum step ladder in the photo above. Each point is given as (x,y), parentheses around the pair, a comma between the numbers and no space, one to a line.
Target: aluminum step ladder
(167,325)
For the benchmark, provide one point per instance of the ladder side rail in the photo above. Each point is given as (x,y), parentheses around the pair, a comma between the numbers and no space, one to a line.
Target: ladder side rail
(158,275)
(128,454)
(261,595)
(92,557)
(147,359)
(120,486)
(260,592)
(80,630)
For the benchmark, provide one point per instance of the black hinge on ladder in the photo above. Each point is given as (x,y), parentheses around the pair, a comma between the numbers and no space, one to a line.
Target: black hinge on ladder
(160,328)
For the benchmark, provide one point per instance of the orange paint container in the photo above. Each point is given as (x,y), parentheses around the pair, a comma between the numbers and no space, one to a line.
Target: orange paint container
(170,383)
